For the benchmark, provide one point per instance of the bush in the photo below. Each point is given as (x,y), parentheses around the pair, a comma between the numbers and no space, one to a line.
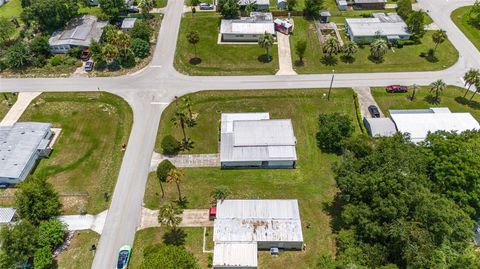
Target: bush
(170,145)
(163,168)
(100,65)
(113,66)
(126,58)
(334,128)
(18,56)
(60,59)
(140,48)
(39,61)
(142,30)
(39,46)
(75,52)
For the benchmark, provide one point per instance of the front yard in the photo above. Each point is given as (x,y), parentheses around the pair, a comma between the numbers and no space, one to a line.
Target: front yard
(78,254)
(461,18)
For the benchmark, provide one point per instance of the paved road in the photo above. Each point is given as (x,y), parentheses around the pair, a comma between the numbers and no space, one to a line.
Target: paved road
(149,91)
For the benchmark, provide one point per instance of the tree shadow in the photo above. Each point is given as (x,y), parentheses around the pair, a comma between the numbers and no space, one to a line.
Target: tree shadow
(299,63)
(329,60)
(431,99)
(264,58)
(175,237)
(347,59)
(375,60)
(334,210)
(195,61)
(431,58)
(183,203)
(464,101)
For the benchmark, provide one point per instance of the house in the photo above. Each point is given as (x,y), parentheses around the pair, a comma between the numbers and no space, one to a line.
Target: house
(127,24)
(342,4)
(8,215)
(369,4)
(242,227)
(364,30)
(418,123)
(282,4)
(247,29)
(379,126)
(254,140)
(21,145)
(79,32)
(259,5)
(283,26)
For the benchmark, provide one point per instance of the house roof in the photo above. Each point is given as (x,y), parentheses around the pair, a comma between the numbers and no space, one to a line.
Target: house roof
(385,25)
(128,23)
(6,214)
(257,23)
(79,31)
(235,255)
(380,126)
(419,122)
(369,1)
(257,2)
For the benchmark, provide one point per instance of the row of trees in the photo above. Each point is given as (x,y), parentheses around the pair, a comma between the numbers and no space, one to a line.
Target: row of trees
(415,20)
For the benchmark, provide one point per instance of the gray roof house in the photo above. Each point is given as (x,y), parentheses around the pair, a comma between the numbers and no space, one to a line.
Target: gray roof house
(7,215)
(259,4)
(21,145)
(254,140)
(79,32)
(390,26)
(247,29)
(127,24)
(379,126)
(242,227)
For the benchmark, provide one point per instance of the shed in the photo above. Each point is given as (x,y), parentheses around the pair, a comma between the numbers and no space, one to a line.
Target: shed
(127,24)
(342,5)
(247,29)
(369,4)
(379,126)
(7,215)
(325,16)
(283,26)
(282,4)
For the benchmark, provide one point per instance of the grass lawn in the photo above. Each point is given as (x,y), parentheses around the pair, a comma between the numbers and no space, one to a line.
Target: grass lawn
(7,101)
(78,254)
(452,98)
(219,59)
(161,3)
(87,155)
(403,59)
(460,17)
(312,182)
(11,9)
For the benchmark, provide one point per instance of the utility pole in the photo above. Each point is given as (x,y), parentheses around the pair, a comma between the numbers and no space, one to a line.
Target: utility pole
(331,83)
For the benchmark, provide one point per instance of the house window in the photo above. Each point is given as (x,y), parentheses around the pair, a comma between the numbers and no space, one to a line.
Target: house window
(238,35)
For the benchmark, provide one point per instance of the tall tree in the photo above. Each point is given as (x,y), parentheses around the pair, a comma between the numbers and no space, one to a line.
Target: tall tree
(193,38)
(229,8)
(312,8)
(112,8)
(162,172)
(378,48)
(18,56)
(437,87)
(180,119)
(331,46)
(18,243)
(334,128)
(187,101)
(350,48)
(168,216)
(266,42)
(300,48)
(416,23)
(404,8)
(477,89)
(470,78)
(109,52)
(439,37)
(141,29)
(51,14)
(146,6)
(176,176)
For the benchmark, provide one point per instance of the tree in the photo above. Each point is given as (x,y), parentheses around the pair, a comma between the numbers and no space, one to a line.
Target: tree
(266,41)
(193,38)
(51,233)
(112,8)
(477,89)
(140,48)
(439,37)
(350,48)
(470,78)
(187,101)
(229,8)
(17,56)
(122,41)
(42,258)
(109,52)
(334,128)
(126,58)
(250,7)
(162,172)
(378,48)
(36,200)
(220,193)
(39,46)
(51,14)
(95,51)
(168,216)
(291,4)
(416,24)
(176,176)
(7,29)
(312,8)
(180,119)
(18,243)
(437,87)
(168,257)
(170,145)
(331,46)
(142,30)
(300,49)
(404,8)
(146,6)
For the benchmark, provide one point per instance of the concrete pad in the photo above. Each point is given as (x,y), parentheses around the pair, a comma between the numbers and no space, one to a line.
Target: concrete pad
(23,100)
(190,218)
(365,100)
(186,160)
(284,55)
(85,222)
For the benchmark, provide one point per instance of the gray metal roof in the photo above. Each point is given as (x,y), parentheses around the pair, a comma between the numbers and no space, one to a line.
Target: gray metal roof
(257,2)
(384,24)
(257,23)
(369,1)
(7,214)
(128,23)
(380,126)
(79,32)
(235,255)
(18,143)
(260,139)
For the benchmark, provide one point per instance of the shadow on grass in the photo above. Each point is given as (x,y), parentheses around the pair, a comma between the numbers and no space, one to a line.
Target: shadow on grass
(264,58)
(377,60)
(299,63)
(347,59)
(183,203)
(432,100)
(464,101)
(174,237)
(195,61)
(431,58)
(334,210)
(329,60)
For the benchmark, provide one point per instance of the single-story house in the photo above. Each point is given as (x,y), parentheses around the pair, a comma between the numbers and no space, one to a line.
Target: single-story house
(418,123)
(21,145)
(8,215)
(390,26)
(282,4)
(79,32)
(127,24)
(369,4)
(325,16)
(283,26)
(242,227)
(247,29)
(259,4)
(254,140)
(379,126)
(342,4)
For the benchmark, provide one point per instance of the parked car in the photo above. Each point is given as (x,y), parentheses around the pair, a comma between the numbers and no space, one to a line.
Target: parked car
(396,88)
(89,66)
(374,111)
(124,257)
(206,6)
(133,10)
(85,55)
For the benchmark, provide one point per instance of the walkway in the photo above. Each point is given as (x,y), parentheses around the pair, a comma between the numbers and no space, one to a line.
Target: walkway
(366,99)
(186,160)
(24,99)
(85,222)
(190,218)
(284,55)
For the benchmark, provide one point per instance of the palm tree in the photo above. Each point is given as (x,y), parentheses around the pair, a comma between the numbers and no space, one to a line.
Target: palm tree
(193,38)
(179,118)
(439,37)
(470,78)
(109,51)
(378,48)
(477,88)
(168,216)
(176,176)
(187,100)
(331,46)
(162,171)
(350,48)
(414,90)
(437,86)
(266,41)
(220,193)
(146,6)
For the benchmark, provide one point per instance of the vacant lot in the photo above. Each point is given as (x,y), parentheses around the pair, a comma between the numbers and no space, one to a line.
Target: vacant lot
(218,59)
(87,154)
(452,98)
(403,59)
(78,254)
(461,18)
(311,183)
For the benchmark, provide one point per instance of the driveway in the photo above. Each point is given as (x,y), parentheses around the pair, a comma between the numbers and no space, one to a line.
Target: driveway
(284,55)
(190,218)
(187,160)
(365,98)
(23,100)
(85,222)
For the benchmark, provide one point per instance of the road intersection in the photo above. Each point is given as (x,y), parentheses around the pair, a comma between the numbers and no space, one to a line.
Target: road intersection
(148,92)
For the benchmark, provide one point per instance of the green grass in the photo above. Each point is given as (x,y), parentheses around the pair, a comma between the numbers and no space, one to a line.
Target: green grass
(312,182)
(452,98)
(403,59)
(218,59)
(87,155)
(161,3)
(78,254)
(13,8)
(7,101)
(461,18)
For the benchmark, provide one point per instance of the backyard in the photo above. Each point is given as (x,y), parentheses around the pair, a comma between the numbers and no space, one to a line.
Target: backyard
(87,155)
(397,59)
(461,18)
(311,182)
(216,59)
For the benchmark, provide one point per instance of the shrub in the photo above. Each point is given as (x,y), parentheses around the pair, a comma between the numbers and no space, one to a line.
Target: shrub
(126,58)
(100,65)
(39,46)
(75,52)
(334,128)
(140,48)
(18,56)
(170,145)
(113,66)
(163,168)
(142,30)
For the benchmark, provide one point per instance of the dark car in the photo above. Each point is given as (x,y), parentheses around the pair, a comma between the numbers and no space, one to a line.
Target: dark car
(374,111)
(89,66)
(205,6)
(133,10)
(85,55)
(396,88)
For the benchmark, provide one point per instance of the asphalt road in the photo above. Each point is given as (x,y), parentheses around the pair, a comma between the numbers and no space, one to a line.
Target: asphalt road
(149,91)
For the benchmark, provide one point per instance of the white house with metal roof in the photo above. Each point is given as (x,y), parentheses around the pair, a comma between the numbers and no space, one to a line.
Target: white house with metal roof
(418,123)
(247,29)
(364,30)
(242,227)
(79,32)
(21,145)
(255,140)
(8,215)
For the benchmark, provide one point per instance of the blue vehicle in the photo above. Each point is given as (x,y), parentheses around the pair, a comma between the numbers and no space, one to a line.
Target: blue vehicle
(124,257)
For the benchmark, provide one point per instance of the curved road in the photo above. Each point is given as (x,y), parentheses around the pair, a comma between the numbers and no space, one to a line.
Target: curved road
(149,91)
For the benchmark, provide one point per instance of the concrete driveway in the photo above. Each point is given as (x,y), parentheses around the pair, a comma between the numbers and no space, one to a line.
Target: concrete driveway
(186,160)
(85,222)
(284,55)
(365,98)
